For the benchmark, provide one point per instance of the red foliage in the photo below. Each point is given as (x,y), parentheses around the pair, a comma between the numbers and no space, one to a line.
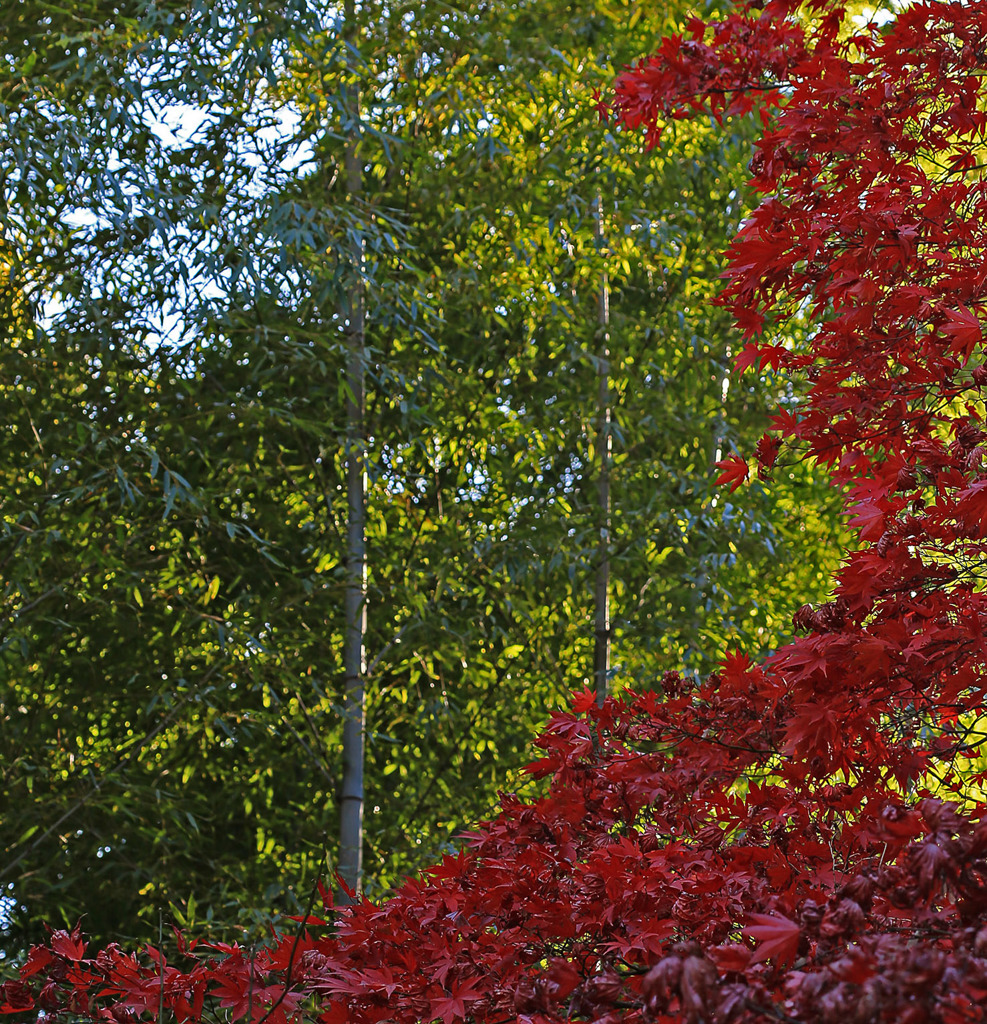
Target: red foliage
(802,840)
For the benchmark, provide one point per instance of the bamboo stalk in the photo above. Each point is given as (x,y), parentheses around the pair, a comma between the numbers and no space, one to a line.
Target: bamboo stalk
(604,447)
(351,795)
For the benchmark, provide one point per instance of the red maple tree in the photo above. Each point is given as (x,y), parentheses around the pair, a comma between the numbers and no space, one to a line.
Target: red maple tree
(799,840)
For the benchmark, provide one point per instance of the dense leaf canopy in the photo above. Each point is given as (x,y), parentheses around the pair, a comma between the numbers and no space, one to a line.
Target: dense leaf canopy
(174,236)
(802,839)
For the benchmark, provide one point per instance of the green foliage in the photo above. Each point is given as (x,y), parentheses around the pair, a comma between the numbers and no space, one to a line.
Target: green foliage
(486,146)
(172,493)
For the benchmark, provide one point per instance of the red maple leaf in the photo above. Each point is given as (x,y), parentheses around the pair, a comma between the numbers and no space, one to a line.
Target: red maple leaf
(68,944)
(735,472)
(963,328)
(777,937)
(452,1005)
(583,700)
(869,517)
(15,997)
